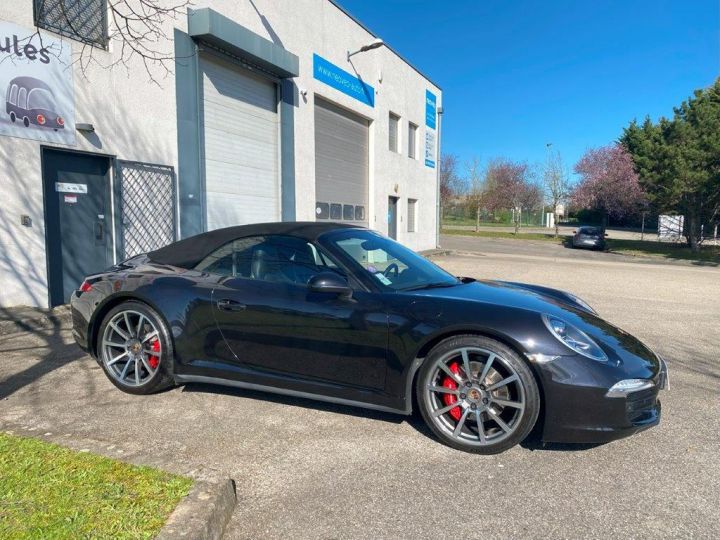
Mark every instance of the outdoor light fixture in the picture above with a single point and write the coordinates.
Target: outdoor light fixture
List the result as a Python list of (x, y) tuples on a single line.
[(370, 46)]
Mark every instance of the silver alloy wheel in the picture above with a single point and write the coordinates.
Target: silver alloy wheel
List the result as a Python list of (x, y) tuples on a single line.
[(486, 390), (131, 348)]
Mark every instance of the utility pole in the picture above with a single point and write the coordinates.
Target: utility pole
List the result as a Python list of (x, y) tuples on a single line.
[(438, 158), (547, 164)]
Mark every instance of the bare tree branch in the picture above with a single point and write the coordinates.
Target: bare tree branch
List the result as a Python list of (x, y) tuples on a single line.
[(137, 31)]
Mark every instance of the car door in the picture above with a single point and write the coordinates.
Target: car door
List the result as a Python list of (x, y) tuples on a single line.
[(281, 334)]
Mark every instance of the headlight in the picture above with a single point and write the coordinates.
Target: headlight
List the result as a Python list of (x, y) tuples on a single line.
[(628, 386), (574, 338)]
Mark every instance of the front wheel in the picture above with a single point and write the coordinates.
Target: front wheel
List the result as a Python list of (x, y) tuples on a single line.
[(135, 349), (477, 395)]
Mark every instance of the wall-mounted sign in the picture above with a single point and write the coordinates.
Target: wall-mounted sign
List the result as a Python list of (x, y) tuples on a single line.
[(66, 187), (340, 79), (430, 126), (36, 86)]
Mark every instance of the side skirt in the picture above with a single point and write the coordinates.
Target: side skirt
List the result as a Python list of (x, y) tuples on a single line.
[(182, 379)]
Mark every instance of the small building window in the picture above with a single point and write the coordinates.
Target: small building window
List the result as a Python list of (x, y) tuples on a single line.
[(322, 210), (411, 215), (394, 138), (336, 211), (412, 140), (82, 20)]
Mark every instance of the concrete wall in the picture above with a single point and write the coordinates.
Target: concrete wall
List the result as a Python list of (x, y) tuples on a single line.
[(109, 98)]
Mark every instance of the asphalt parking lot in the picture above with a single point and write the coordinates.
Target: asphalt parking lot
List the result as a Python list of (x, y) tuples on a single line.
[(305, 469)]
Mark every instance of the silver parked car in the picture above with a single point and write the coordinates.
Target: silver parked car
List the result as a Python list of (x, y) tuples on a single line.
[(589, 238)]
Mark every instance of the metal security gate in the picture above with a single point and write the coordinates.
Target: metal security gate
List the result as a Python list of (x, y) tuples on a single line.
[(148, 209)]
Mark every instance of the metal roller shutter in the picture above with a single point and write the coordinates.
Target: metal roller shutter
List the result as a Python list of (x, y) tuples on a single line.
[(240, 126), (341, 164)]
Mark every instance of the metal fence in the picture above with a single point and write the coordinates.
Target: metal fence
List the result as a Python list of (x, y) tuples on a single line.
[(84, 20), (148, 206), (465, 215)]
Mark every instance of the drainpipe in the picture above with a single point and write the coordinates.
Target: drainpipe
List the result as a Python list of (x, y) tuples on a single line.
[(438, 159)]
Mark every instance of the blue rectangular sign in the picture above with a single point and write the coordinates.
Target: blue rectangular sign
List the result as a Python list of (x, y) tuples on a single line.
[(430, 109), (430, 126), (341, 80)]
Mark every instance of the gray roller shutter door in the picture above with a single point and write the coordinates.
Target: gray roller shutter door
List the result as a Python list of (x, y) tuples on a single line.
[(341, 163), (240, 127)]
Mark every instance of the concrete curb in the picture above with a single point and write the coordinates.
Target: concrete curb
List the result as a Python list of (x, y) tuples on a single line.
[(26, 319), (203, 514), (437, 252)]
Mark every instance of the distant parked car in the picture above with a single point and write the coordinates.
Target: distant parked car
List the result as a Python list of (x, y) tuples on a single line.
[(589, 238), (32, 101)]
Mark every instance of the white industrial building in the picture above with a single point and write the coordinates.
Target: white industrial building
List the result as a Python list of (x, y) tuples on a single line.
[(262, 117)]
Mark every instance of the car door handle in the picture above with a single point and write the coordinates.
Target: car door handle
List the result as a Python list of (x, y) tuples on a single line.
[(230, 305)]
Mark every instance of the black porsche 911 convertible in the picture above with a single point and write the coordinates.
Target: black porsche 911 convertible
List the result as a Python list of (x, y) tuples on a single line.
[(343, 314)]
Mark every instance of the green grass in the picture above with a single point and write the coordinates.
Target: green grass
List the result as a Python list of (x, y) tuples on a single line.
[(643, 248), (502, 234), (50, 492)]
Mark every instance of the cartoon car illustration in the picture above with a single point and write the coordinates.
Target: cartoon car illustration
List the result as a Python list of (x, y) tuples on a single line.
[(32, 101)]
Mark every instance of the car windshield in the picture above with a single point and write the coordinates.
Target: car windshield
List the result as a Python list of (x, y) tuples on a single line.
[(388, 263), (39, 98)]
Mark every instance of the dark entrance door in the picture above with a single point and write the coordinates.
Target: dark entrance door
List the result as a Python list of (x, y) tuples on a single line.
[(392, 217), (77, 219)]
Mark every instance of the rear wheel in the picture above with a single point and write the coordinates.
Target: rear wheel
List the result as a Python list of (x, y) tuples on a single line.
[(135, 350), (477, 395), (12, 116)]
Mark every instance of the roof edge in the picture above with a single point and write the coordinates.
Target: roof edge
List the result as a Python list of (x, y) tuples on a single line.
[(357, 21)]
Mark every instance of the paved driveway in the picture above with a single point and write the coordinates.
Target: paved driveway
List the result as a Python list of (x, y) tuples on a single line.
[(305, 469)]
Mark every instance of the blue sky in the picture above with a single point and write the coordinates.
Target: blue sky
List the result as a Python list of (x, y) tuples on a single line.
[(518, 74)]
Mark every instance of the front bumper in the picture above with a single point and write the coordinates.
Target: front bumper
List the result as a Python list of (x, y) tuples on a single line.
[(578, 411)]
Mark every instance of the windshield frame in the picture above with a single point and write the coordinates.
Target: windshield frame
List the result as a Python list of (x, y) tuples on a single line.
[(328, 242)]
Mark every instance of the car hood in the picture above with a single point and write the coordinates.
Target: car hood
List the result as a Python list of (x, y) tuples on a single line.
[(618, 344), (511, 294)]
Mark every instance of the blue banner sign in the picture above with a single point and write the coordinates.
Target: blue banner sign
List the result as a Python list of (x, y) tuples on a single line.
[(430, 126), (430, 109), (341, 80)]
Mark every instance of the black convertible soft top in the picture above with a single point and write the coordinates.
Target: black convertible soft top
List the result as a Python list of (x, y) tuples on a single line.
[(189, 252)]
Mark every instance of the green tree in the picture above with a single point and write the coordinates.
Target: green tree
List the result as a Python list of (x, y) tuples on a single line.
[(678, 160)]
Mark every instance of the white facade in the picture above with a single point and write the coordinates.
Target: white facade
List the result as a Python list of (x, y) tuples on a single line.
[(137, 120)]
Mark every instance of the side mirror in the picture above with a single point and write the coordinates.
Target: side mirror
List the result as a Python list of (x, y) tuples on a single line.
[(574, 232), (606, 235), (330, 283)]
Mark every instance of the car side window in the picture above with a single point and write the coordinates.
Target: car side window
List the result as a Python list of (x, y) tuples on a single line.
[(285, 259), (22, 98), (274, 258), (233, 259), (13, 94)]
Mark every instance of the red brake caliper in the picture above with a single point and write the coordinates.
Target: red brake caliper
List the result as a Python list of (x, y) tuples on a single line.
[(449, 399), (154, 360)]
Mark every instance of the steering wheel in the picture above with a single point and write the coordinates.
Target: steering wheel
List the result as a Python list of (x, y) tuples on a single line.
[(392, 270)]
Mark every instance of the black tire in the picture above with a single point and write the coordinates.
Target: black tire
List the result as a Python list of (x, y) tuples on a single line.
[(523, 425), (163, 376), (26, 122), (12, 116)]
